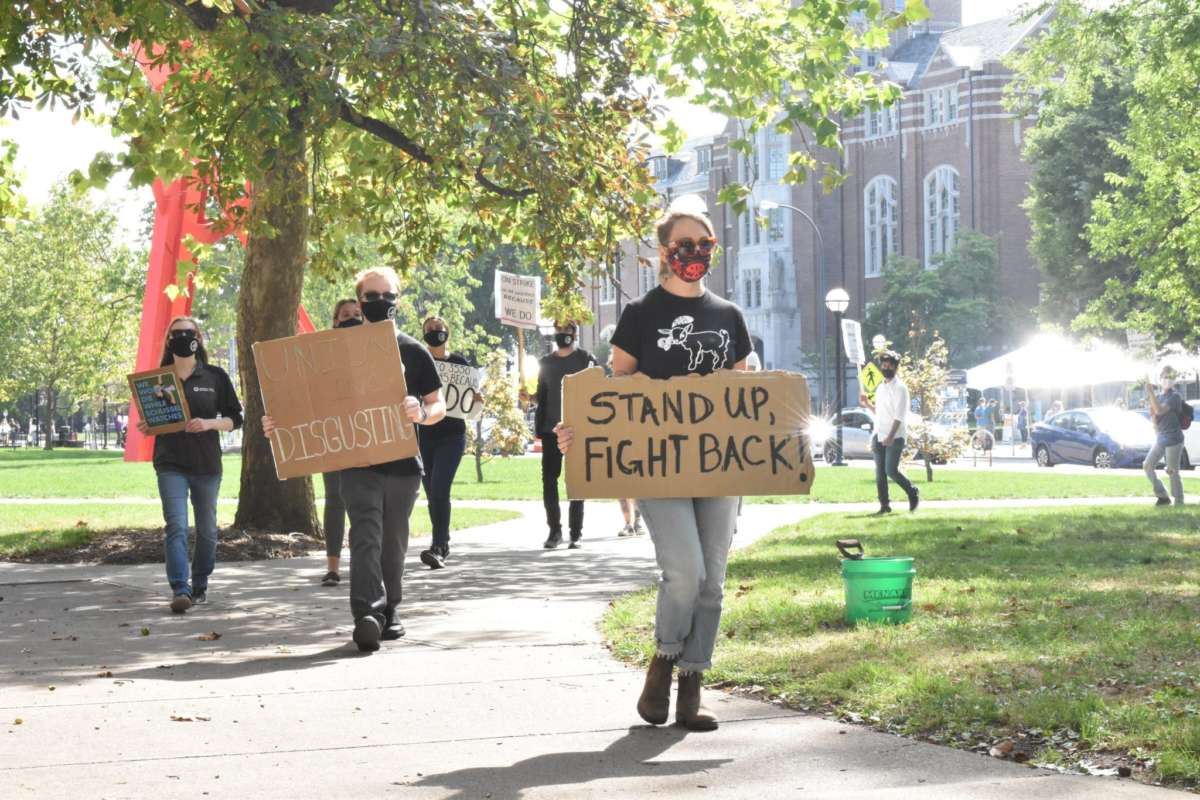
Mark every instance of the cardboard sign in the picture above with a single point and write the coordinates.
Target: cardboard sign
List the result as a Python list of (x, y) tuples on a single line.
[(869, 377), (722, 435), (460, 386), (337, 398), (853, 342), (160, 399), (518, 299)]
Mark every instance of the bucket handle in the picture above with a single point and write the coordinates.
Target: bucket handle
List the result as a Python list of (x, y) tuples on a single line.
[(845, 546)]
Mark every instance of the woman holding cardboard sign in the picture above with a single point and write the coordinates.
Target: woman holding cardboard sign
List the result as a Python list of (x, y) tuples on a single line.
[(442, 448), (346, 314), (189, 462), (676, 329)]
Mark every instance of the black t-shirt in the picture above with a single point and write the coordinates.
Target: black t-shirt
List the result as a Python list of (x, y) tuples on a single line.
[(209, 394), (449, 426), (672, 336), (420, 377), (549, 386)]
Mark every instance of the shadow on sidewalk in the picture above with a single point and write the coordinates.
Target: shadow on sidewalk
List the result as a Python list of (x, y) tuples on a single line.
[(631, 756)]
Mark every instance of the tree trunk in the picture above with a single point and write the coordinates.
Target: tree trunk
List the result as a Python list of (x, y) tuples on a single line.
[(270, 294), (48, 428), (928, 470), (479, 450)]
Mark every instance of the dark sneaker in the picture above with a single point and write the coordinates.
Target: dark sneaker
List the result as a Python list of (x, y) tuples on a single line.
[(553, 540), (433, 558), (180, 603), (1163, 501), (393, 630), (200, 598), (882, 511), (575, 545), (367, 632), (331, 579), (914, 500)]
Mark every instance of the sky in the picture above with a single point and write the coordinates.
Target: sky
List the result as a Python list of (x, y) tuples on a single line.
[(50, 147)]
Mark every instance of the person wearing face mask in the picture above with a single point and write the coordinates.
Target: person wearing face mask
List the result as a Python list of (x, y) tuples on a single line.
[(891, 412), (680, 328), (566, 359), (379, 499), (1166, 411), (442, 447), (346, 314), (189, 461)]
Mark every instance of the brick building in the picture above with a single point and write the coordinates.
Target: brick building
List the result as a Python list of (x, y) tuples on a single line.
[(944, 159)]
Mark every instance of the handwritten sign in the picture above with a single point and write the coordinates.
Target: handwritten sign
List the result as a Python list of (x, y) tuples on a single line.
[(853, 342), (160, 399), (518, 299), (460, 385), (337, 398), (725, 434)]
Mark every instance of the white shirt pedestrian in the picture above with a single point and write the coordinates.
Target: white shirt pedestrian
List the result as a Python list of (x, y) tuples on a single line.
[(891, 404)]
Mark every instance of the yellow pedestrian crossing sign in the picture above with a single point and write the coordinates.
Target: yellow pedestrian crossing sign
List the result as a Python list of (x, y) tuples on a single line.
[(869, 377)]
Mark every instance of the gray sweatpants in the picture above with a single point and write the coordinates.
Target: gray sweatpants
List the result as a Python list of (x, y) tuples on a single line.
[(379, 506), (1171, 453)]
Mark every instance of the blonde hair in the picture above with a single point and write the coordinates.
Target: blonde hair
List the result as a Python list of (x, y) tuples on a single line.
[(375, 272), (666, 224)]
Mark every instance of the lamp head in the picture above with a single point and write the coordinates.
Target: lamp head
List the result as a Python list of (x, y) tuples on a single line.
[(837, 301)]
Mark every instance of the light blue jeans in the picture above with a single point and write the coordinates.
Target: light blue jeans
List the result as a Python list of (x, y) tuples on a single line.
[(691, 543), (173, 488), (1170, 453)]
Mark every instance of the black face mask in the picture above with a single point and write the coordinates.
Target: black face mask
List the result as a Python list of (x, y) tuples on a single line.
[(888, 372), (564, 339), (436, 338), (349, 323), (184, 344), (378, 310)]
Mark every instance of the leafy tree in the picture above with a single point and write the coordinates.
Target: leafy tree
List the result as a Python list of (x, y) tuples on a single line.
[(507, 432), (69, 299), (1071, 150), (956, 296), (1149, 215), (925, 371)]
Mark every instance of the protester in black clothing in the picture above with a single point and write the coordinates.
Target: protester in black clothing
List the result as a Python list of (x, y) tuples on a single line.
[(566, 359), (189, 461), (442, 448), (346, 314), (380, 498)]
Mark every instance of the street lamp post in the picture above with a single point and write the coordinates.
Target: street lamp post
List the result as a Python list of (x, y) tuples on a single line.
[(837, 301), (771, 204)]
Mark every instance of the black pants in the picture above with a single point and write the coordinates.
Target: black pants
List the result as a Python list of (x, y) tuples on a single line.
[(379, 506), (335, 513), (441, 457), (551, 469), (887, 465)]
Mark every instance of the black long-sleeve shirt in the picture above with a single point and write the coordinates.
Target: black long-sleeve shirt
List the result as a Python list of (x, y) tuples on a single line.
[(549, 386), (209, 394)]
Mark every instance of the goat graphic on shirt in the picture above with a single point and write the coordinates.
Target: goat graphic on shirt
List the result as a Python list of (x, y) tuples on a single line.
[(700, 345)]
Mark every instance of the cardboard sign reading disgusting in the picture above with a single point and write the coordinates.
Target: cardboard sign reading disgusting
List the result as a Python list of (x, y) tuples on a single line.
[(722, 435), (337, 398)]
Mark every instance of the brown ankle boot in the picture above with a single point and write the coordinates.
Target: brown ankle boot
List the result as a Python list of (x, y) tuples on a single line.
[(689, 710), (654, 705)]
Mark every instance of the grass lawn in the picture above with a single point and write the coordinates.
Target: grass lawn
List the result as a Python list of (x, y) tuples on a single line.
[(29, 528), (74, 473), (1070, 622)]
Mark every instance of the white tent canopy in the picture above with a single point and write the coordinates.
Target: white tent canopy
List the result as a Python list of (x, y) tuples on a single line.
[(1051, 362)]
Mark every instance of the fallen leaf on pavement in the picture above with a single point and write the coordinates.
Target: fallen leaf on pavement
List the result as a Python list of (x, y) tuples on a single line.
[(105, 674), (211, 636), (145, 631), (18, 721), (177, 718)]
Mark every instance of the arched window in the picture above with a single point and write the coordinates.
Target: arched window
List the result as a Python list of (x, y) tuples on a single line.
[(941, 211), (879, 223)]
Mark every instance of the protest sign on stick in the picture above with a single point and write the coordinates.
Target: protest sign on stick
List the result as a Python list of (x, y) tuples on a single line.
[(337, 398), (725, 434), (460, 387)]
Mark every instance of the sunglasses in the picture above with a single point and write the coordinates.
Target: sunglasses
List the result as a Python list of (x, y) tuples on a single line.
[(371, 297), (686, 248), (183, 334)]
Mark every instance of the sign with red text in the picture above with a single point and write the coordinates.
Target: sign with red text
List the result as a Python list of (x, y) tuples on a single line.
[(337, 399), (722, 435)]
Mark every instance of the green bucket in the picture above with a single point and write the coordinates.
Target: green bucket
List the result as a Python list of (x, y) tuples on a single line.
[(877, 589)]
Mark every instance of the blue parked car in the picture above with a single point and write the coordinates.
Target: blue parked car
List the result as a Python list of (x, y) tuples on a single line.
[(1103, 437)]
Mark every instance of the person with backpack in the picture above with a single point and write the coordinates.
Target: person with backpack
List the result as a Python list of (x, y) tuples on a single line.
[(1170, 416)]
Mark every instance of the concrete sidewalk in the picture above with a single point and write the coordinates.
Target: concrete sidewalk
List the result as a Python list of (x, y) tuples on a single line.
[(502, 690)]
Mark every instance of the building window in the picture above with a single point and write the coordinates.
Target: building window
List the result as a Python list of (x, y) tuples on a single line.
[(941, 106), (752, 288), (747, 222), (776, 158), (941, 211), (880, 122), (647, 279), (775, 225), (658, 167), (757, 229), (879, 223), (703, 160), (608, 290)]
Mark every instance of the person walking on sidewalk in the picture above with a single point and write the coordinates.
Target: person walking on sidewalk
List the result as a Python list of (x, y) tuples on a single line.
[(442, 448), (1166, 410), (1023, 422), (566, 359), (189, 461), (691, 535), (891, 412), (380, 498), (346, 314)]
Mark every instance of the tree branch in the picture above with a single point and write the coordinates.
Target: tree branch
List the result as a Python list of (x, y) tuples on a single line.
[(382, 130), (487, 183)]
